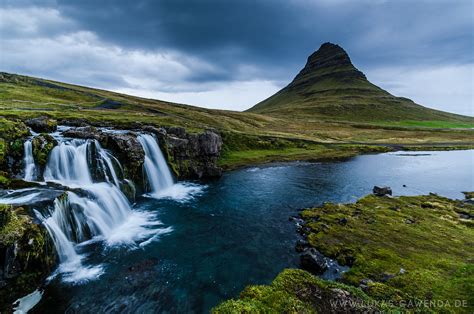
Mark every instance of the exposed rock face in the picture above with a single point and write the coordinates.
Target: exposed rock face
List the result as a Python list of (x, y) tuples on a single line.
[(27, 256), (129, 152), (192, 156), (42, 124), (313, 261), (382, 191), (86, 132)]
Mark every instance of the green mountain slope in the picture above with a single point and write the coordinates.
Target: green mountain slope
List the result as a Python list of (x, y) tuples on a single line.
[(330, 87)]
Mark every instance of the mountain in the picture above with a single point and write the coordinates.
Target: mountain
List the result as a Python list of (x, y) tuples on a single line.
[(331, 87)]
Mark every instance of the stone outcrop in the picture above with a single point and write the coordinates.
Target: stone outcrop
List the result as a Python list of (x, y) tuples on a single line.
[(42, 124), (382, 190), (27, 255), (42, 145), (191, 155), (129, 152), (313, 261)]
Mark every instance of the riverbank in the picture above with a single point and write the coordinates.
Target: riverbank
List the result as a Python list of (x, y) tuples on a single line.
[(411, 252)]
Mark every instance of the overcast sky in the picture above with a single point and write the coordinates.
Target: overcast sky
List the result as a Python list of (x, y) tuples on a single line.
[(232, 54)]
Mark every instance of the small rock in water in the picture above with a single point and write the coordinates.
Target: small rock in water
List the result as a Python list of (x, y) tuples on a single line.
[(301, 245), (313, 261), (382, 191)]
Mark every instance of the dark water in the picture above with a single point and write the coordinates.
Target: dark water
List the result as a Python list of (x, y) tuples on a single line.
[(237, 232)]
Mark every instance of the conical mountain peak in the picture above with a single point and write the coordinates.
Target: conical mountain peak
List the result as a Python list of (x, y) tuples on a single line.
[(327, 60)]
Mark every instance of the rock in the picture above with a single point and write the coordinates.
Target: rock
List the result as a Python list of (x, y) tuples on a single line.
[(87, 132), (128, 150), (382, 191), (28, 255), (191, 156), (301, 245), (42, 145), (343, 221), (313, 261), (42, 124)]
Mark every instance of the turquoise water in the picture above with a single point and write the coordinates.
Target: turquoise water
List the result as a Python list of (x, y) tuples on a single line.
[(237, 232)]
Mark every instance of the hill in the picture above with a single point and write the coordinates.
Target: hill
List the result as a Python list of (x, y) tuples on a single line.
[(248, 137), (331, 87)]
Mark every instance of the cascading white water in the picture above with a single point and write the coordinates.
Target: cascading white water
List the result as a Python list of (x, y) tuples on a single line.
[(68, 165), (102, 213), (29, 161), (159, 175), (157, 171)]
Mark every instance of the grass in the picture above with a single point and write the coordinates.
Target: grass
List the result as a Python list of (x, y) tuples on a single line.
[(297, 291), (431, 124), (297, 135), (411, 248)]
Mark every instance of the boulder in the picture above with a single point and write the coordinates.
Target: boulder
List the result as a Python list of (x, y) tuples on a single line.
[(382, 191), (313, 261), (42, 145), (42, 124), (87, 132)]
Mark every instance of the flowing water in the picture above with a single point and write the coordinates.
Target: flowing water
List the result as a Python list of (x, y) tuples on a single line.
[(191, 248), (29, 162)]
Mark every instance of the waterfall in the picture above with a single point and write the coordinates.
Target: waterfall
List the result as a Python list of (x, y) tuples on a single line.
[(159, 175), (156, 168), (98, 211), (29, 162), (68, 164)]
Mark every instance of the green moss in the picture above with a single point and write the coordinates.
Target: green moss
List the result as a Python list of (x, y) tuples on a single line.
[(297, 291), (42, 146), (413, 248), (33, 256)]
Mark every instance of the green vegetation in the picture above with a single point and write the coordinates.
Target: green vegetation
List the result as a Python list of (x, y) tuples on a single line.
[(240, 150), (42, 146), (405, 248), (431, 124), (297, 291), (25, 248)]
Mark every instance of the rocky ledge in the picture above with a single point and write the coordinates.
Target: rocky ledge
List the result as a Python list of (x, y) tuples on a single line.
[(191, 155)]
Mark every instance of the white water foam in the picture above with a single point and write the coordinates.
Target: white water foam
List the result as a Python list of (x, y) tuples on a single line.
[(26, 303), (101, 211)]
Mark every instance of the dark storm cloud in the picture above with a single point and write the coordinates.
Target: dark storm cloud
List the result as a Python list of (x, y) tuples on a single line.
[(271, 39), (281, 32)]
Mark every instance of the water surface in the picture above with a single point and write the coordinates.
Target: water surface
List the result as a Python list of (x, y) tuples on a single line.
[(237, 231)]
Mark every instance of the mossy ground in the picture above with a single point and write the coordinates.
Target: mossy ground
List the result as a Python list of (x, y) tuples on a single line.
[(411, 248), (297, 291)]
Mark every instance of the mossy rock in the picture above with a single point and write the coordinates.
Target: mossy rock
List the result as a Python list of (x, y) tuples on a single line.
[(297, 291), (29, 255), (42, 145)]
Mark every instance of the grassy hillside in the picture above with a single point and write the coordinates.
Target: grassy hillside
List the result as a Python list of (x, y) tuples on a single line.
[(329, 86), (248, 137)]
